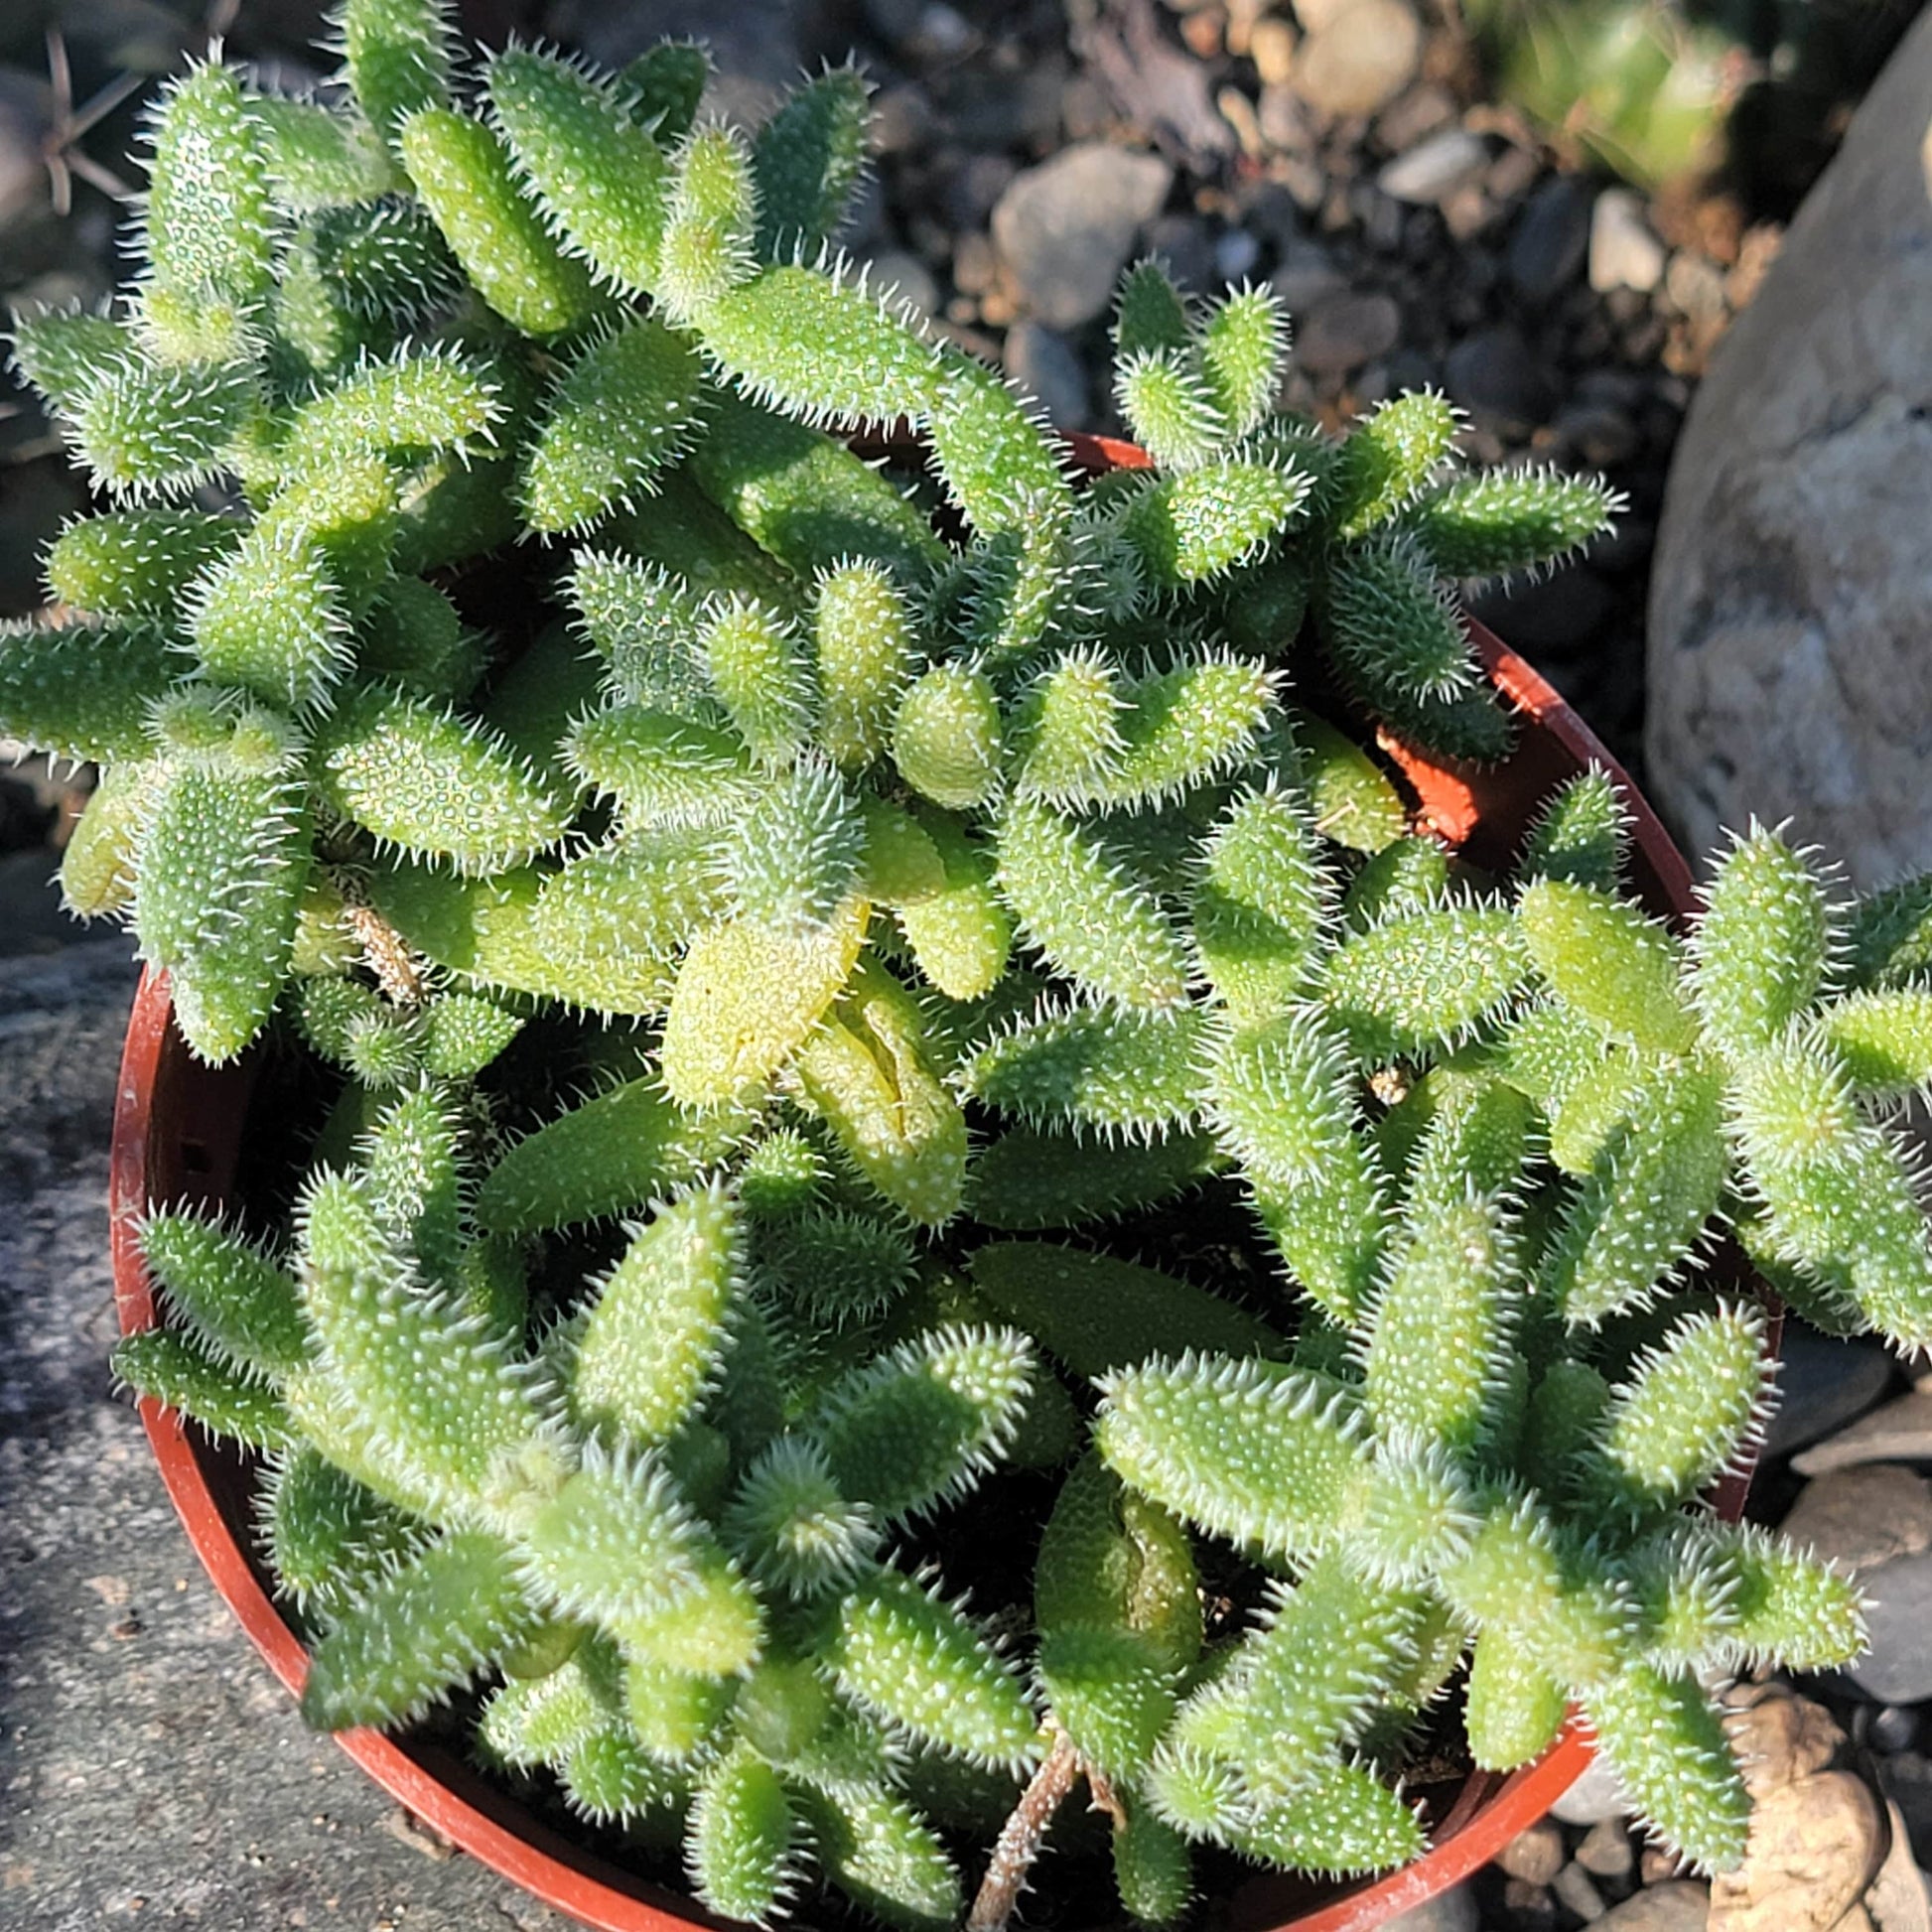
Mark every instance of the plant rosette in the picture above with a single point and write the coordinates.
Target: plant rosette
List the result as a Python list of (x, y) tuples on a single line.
[(177, 1132), (828, 1006)]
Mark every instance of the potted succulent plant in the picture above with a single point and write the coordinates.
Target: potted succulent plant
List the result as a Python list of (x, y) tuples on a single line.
[(808, 1004)]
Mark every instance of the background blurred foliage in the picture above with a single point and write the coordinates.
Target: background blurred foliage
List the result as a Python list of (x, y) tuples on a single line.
[(1657, 88)]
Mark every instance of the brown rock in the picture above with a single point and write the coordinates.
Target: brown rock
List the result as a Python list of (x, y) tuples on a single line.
[(1897, 1901), (1815, 1846), (1577, 1891), (1527, 1908), (1780, 1738), (1658, 1867), (1901, 1432), (1677, 1905), (1535, 1855), (1271, 46), (1863, 1515), (1607, 1851)]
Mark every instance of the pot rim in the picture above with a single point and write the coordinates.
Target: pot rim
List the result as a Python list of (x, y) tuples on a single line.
[(176, 1137)]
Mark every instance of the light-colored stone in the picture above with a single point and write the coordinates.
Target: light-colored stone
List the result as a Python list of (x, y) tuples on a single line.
[(1901, 1432), (1316, 16), (1594, 1796), (1534, 1855), (1454, 1910), (1577, 1893), (1067, 228), (1623, 253), (1436, 167), (1359, 59), (1792, 594), (1607, 1851), (1677, 1905), (1695, 286), (1305, 275), (1271, 46), (1863, 1516), (1897, 1900), (1815, 1846)]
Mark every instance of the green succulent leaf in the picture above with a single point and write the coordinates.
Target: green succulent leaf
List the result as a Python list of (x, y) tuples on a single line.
[(652, 1338), (1122, 1072), (419, 1633), (1692, 1407), (614, 1544), (240, 1306), (417, 774), (1581, 835), (1646, 1197), (1441, 1332), (1097, 1313), (607, 1156), (1881, 1039), (1603, 957), (207, 224), (434, 1395), (1341, 1823), (1083, 908), (1423, 979), (181, 1373), (1242, 347), (627, 405), (1514, 1707), (1249, 1450), (807, 160), (1392, 456), (1761, 948), (597, 178), (1390, 624), (883, 1855), (330, 1539), (1199, 525), (1512, 519), (1669, 1749), (918, 1425), (916, 1662)]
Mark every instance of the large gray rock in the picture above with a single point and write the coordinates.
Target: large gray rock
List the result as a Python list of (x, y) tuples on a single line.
[(1793, 590), (150, 1763)]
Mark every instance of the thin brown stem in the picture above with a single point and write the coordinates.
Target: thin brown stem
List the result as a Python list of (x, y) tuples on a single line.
[(1021, 1836), (1105, 1797), (386, 952)]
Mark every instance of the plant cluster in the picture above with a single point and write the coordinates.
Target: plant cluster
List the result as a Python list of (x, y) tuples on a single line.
[(959, 904)]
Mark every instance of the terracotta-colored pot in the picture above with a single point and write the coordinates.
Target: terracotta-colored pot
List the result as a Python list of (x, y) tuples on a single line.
[(177, 1128)]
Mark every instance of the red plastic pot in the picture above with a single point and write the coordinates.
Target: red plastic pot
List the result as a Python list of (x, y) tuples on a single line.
[(177, 1128)]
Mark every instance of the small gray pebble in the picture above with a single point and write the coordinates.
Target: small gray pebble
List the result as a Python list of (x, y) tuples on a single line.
[(1894, 1727)]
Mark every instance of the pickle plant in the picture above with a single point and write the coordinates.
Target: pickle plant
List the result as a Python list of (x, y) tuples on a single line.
[(773, 959)]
